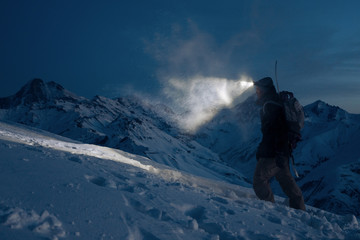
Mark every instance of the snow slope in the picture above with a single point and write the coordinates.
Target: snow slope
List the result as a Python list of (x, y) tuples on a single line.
[(54, 188)]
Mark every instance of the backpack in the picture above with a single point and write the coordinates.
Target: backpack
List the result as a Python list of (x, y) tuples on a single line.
[(294, 115)]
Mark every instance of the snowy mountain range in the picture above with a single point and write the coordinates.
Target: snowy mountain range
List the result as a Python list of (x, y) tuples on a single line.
[(328, 158)]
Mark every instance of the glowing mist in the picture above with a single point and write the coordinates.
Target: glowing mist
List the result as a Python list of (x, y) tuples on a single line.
[(202, 97)]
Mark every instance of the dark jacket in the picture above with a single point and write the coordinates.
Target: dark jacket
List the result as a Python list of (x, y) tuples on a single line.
[(273, 127)]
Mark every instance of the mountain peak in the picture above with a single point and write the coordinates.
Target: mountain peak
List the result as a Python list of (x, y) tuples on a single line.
[(36, 87), (321, 110), (36, 91), (36, 82)]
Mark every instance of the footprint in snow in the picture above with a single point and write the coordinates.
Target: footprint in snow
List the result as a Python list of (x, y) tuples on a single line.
[(275, 219), (225, 211), (220, 200), (197, 213), (100, 181), (149, 211), (133, 187), (125, 184), (217, 230), (119, 176), (75, 159)]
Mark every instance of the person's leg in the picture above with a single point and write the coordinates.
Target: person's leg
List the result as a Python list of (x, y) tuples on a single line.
[(265, 169), (290, 188)]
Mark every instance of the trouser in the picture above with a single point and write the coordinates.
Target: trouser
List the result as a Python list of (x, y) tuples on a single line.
[(266, 168)]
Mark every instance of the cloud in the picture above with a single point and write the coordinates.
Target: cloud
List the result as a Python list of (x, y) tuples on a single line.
[(196, 72), (200, 98)]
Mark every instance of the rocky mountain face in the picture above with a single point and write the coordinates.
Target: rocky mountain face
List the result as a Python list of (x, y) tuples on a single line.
[(328, 158)]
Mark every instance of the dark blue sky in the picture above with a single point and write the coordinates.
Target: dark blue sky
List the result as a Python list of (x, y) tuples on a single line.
[(111, 48)]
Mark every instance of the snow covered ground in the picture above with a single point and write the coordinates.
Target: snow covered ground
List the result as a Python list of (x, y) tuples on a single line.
[(53, 187)]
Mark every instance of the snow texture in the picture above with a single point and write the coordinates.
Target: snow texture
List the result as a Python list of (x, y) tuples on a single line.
[(56, 188)]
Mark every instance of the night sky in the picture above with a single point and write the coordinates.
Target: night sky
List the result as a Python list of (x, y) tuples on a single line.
[(113, 48)]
